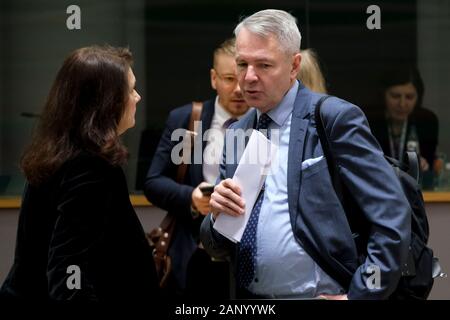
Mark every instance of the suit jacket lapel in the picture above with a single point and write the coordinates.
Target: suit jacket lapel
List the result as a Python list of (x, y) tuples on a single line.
[(295, 155), (247, 122)]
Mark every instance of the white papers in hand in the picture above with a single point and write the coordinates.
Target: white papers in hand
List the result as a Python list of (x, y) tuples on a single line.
[(250, 174)]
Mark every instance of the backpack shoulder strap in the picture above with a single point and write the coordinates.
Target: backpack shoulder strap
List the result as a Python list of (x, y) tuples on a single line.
[(320, 126), (324, 141), (413, 165)]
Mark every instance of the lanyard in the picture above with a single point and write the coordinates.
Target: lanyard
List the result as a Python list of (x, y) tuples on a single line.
[(401, 145)]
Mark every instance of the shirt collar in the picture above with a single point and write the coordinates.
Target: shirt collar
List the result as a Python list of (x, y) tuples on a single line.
[(220, 112), (281, 112)]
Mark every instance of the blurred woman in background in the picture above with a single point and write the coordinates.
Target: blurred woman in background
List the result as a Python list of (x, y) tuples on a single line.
[(310, 73), (403, 124)]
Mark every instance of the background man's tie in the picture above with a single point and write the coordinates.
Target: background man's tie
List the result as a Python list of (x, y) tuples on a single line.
[(227, 123)]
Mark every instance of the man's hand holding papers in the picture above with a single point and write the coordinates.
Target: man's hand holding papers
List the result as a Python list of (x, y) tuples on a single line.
[(234, 198)]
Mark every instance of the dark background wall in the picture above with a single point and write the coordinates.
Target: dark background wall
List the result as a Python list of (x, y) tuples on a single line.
[(182, 34), (173, 40)]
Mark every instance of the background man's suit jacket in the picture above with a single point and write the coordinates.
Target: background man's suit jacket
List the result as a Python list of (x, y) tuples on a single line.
[(318, 220), (163, 191)]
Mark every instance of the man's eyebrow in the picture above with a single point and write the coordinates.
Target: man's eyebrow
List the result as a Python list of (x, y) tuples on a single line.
[(264, 59)]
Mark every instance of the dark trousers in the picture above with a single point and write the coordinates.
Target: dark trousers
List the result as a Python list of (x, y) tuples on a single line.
[(207, 279)]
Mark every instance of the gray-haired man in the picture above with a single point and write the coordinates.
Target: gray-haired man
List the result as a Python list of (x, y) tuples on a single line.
[(298, 243)]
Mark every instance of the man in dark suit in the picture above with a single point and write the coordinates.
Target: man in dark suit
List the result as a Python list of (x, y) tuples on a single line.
[(185, 200), (297, 242)]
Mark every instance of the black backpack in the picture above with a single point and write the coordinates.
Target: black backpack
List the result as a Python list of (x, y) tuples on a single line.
[(421, 268)]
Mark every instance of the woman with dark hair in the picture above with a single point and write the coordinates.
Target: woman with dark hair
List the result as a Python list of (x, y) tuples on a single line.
[(405, 125), (78, 236)]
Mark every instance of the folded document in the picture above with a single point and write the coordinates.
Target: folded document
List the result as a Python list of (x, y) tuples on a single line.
[(250, 174)]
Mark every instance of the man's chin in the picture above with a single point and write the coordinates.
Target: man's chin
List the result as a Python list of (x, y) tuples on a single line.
[(238, 109), (253, 101)]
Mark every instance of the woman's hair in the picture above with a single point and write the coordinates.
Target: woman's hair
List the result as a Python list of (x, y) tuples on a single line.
[(82, 112), (310, 74), (401, 75)]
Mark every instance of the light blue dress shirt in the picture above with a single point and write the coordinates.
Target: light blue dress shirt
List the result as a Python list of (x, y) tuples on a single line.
[(283, 269)]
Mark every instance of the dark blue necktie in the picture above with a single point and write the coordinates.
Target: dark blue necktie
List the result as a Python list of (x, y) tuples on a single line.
[(228, 123), (247, 246)]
